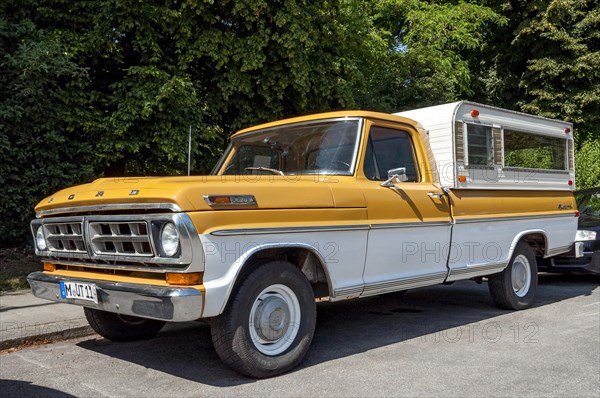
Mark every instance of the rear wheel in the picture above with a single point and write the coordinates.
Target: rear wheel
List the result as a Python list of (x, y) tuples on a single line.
[(118, 327), (269, 322), (515, 287)]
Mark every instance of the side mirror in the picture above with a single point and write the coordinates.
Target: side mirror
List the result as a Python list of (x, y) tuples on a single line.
[(395, 175)]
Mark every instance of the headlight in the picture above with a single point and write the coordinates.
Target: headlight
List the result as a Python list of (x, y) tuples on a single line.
[(40, 240), (169, 239), (583, 235)]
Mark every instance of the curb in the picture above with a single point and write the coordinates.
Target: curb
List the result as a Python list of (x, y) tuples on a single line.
[(44, 338)]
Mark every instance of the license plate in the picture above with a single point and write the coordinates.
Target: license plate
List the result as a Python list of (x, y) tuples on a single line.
[(80, 291)]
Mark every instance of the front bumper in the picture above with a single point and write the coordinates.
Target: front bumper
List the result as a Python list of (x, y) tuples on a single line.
[(176, 304)]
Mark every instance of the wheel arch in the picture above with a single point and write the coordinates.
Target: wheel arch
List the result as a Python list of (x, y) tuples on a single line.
[(535, 238), (302, 255)]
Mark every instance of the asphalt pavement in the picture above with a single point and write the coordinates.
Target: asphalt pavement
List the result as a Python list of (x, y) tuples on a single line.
[(25, 319), (436, 341)]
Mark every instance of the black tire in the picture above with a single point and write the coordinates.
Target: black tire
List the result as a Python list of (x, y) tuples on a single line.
[(118, 327), (234, 334), (519, 292)]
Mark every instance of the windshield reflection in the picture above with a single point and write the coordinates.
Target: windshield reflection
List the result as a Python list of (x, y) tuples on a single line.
[(321, 147)]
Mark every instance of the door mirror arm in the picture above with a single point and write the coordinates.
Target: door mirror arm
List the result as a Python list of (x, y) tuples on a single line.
[(395, 175)]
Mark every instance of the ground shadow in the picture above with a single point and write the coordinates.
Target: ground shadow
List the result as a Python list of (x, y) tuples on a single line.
[(18, 388), (343, 329)]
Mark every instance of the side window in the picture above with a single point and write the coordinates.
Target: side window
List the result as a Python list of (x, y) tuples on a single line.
[(389, 149), (479, 145)]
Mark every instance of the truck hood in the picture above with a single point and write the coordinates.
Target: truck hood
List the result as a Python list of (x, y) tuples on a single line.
[(271, 192)]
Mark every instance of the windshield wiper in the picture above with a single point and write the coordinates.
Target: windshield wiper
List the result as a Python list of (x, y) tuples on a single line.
[(274, 171)]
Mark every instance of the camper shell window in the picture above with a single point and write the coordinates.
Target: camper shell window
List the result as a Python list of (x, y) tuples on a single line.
[(479, 145), (532, 151)]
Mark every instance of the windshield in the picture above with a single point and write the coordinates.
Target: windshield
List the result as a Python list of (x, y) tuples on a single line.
[(320, 147)]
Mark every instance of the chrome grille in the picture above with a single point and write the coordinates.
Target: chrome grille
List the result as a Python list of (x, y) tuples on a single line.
[(65, 237), (126, 238), (116, 241)]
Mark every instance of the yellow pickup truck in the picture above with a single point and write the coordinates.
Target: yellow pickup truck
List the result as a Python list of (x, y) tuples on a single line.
[(332, 206)]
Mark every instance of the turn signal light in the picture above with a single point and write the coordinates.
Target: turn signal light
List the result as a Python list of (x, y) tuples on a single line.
[(194, 278), (49, 267), (221, 200), (230, 200)]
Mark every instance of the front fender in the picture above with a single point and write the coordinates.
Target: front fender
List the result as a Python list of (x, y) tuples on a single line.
[(225, 259)]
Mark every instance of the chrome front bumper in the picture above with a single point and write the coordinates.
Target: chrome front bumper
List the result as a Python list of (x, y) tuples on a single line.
[(147, 301)]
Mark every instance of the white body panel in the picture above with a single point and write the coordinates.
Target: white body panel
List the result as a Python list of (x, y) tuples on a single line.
[(343, 254), (397, 258), (400, 258), (483, 247)]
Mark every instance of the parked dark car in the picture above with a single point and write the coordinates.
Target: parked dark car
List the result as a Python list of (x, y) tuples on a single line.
[(588, 232)]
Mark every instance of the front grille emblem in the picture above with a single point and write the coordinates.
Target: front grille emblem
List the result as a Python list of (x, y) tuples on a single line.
[(99, 194), (71, 197), (50, 200), (134, 192)]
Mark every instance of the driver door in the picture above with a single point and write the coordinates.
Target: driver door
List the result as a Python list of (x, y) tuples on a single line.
[(409, 238)]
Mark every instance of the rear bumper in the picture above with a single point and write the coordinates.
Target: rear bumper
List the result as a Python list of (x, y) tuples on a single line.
[(147, 301)]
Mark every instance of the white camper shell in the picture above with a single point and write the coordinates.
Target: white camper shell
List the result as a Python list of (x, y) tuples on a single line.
[(483, 147)]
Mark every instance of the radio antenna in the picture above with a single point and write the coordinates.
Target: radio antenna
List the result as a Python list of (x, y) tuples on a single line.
[(189, 150)]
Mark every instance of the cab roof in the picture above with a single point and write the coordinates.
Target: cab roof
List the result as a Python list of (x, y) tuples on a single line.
[(328, 115)]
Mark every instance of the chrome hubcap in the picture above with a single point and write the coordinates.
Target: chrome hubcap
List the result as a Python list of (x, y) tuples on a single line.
[(521, 275), (271, 319), (274, 319)]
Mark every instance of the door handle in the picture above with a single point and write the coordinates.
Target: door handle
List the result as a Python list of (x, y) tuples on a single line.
[(436, 195)]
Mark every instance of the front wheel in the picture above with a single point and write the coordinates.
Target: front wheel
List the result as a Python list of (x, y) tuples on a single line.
[(118, 327), (269, 322), (515, 287)]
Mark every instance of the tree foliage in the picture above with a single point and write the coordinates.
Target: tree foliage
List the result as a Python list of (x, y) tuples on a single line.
[(42, 145), (426, 42), (587, 164), (110, 88), (562, 78)]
